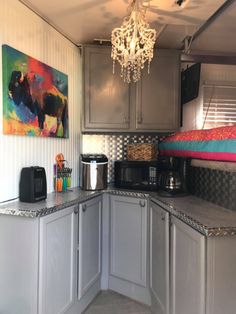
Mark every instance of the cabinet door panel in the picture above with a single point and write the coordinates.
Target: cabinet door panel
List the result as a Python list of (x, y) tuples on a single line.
[(158, 94), (128, 239), (159, 248), (107, 97), (188, 269), (57, 253), (89, 244)]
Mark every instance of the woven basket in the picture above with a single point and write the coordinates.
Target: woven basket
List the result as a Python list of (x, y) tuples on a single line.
[(141, 152)]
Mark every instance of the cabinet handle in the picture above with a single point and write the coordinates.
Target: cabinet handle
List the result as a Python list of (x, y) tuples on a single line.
[(84, 207), (76, 209), (162, 217), (126, 119), (142, 203), (140, 118)]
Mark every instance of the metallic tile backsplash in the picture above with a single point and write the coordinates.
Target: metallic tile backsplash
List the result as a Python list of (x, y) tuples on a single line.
[(216, 186), (213, 185), (114, 146)]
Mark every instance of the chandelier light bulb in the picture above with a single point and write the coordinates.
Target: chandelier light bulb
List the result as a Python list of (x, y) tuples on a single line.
[(133, 43)]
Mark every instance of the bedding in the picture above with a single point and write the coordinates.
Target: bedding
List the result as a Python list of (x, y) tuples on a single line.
[(213, 144)]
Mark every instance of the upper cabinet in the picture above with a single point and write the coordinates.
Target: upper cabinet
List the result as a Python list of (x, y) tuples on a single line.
[(157, 101), (106, 97), (110, 105)]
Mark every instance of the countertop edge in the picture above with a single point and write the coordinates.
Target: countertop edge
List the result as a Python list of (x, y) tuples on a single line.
[(85, 196)]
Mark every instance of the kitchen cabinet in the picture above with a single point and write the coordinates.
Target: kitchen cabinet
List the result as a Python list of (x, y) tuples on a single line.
[(151, 105), (159, 259), (57, 261), (89, 244), (106, 97), (129, 247), (188, 260), (180, 288), (157, 93)]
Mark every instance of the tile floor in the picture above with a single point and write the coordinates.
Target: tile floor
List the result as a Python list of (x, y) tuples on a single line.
[(109, 302)]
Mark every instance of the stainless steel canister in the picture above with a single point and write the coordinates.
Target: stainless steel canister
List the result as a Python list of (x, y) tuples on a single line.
[(93, 172)]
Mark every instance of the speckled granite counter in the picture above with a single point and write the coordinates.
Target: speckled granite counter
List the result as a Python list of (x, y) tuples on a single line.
[(53, 203), (207, 218)]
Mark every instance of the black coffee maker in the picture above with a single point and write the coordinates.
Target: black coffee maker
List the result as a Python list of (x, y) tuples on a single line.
[(173, 175)]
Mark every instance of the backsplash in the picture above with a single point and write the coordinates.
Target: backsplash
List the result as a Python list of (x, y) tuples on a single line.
[(214, 185), (114, 146)]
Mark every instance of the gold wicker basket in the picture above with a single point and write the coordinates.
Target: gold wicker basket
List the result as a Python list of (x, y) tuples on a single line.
[(141, 152)]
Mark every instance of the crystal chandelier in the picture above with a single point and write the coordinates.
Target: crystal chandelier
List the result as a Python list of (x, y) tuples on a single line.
[(133, 43)]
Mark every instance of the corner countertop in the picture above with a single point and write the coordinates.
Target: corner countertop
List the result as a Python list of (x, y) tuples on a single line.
[(205, 217)]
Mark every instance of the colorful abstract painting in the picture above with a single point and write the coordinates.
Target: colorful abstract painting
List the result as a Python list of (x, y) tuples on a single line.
[(35, 96)]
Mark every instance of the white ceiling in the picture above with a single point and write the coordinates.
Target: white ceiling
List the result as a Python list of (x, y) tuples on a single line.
[(84, 20)]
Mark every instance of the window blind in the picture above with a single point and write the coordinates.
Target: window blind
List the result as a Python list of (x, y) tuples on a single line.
[(219, 106)]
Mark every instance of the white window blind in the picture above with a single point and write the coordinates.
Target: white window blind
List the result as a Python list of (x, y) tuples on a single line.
[(219, 106)]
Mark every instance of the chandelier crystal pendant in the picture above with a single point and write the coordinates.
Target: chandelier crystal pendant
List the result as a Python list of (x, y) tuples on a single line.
[(133, 43)]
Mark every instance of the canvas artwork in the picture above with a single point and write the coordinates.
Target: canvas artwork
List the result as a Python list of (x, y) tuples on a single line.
[(35, 96)]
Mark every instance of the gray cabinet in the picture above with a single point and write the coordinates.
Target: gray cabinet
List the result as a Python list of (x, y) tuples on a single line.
[(159, 259), (188, 260), (129, 247), (57, 261), (151, 105), (89, 244), (106, 97), (178, 259), (157, 101)]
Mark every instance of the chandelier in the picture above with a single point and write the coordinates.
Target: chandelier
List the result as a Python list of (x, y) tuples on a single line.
[(133, 43)]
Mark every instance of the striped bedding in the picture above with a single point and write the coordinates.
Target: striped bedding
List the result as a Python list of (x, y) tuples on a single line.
[(213, 144)]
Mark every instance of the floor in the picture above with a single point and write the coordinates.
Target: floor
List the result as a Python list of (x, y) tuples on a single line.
[(109, 302)]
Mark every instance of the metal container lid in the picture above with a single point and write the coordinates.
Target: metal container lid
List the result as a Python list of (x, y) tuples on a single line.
[(94, 158)]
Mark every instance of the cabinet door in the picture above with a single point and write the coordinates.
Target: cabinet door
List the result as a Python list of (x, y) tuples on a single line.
[(57, 256), (159, 259), (157, 106), (89, 244), (128, 252), (187, 269), (106, 96)]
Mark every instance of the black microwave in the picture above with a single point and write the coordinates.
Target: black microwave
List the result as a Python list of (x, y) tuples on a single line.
[(139, 175)]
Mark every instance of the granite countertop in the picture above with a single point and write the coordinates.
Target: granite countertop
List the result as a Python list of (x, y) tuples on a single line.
[(205, 217)]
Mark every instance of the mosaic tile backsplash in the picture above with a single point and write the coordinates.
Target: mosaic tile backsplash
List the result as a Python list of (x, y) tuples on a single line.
[(213, 185), (114, 146)]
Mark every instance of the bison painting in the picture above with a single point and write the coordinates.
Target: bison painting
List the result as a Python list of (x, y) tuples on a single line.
[(35, 101)]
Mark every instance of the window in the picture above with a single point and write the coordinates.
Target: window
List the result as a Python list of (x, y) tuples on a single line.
[(219, 105)]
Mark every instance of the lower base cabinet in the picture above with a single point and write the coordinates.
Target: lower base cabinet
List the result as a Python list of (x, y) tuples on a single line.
[(159, 259), (89, 263), (188, 263), (57, 262), (202, 273), (129, 247), (177, 265)]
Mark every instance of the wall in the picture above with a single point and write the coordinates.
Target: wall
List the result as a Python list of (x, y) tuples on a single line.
[(25, 31), (210, 73)]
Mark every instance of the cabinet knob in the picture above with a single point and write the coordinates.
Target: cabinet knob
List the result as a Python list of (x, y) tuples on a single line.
[(76, 209), (84, 207), (142, 203), (162, 217)]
